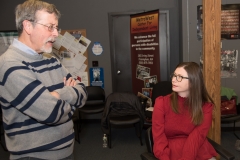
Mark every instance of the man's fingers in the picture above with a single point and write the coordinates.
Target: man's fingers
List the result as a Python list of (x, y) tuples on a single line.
[(70, 82), (64, 81)]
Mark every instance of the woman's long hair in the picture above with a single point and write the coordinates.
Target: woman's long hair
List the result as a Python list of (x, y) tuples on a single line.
[(198, 94)]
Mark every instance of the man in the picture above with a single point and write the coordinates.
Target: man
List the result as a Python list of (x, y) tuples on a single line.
[(38, 96)]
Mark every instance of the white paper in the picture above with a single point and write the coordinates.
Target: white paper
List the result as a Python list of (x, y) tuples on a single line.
[(84, 43), (75, 47), (58, 42), (67, 40), (83, 68), (149, 109), (79, 61), (82, 76)]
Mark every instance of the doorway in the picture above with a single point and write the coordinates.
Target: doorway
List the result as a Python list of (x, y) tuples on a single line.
[(119, 31)]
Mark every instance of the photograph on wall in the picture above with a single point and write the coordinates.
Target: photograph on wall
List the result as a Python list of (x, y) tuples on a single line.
[(150, 81), (199, 22), (230, 21), (149, 100), (228, 61), (147, 92), (96, 76), (142, 72)]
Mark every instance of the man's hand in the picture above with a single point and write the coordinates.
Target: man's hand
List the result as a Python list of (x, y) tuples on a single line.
[(70, 82), (55, 94)]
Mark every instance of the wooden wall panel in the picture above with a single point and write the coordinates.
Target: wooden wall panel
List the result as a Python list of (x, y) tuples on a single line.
[(211, 61)]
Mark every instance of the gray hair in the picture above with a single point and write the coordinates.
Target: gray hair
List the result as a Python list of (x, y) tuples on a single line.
[(28, 9)]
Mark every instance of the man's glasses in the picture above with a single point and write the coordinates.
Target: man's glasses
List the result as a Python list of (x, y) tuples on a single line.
[(50, 27), (178, 77)]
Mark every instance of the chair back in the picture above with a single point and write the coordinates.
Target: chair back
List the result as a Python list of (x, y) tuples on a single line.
[(161, 88), (2, 141), (95, 93), (124, 102), (95, 102), (121, 109), (149, 140), (121, 104)]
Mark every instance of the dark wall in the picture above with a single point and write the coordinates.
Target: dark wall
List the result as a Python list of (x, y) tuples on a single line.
[(192, 46), (92, 15)]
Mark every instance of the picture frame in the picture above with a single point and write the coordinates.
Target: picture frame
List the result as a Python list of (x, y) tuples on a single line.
[(150, 81), (230, 21), (228, 62), (147, 92)]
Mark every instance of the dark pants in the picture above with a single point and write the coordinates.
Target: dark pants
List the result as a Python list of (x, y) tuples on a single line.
[(71, 157)]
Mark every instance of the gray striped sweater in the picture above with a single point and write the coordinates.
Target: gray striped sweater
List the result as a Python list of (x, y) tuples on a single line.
[(36, 123)]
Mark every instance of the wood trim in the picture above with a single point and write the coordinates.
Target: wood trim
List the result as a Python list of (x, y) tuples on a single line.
[(211, 60)]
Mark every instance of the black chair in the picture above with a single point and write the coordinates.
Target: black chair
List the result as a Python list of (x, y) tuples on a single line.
[(232, 118), (122, 109), (95, 103), (2, 139), (161, 88), (150, 156), (76, 126)]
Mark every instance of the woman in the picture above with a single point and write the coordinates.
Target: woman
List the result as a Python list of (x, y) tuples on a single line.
[(181, 120)]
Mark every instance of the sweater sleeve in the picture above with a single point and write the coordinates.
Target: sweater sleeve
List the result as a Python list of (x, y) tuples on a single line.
[(160, 148), (72, 95), (29, 92), (197, 137)]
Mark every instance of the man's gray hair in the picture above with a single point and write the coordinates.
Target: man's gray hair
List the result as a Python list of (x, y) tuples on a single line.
[(28, 10)]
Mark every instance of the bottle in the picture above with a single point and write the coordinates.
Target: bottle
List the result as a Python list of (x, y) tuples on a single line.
[(104, 141)]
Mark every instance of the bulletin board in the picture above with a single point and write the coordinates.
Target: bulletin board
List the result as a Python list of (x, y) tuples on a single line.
[(71, 49)]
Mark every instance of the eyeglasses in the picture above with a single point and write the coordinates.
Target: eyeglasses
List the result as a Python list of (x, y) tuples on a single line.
[(50, 27), (178, 77)]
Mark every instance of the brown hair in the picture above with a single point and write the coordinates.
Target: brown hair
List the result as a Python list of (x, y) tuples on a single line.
[(198, 94)]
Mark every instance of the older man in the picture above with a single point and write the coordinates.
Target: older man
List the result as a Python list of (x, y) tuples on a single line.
[(37, 94)]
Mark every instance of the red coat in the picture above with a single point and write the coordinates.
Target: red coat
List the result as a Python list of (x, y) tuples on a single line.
[(176, 137)]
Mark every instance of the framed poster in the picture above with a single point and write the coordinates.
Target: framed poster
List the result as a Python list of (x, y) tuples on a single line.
[(228, 63), (230, 21), (6, 38), (96, 75)]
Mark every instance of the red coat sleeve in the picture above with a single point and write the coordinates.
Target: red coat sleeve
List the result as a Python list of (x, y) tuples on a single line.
[(160, 148), (198, 136)]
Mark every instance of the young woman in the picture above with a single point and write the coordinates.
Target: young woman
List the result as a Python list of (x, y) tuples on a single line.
[(181, 120)]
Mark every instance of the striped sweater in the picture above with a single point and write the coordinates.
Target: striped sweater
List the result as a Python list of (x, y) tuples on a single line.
[(36, 123)]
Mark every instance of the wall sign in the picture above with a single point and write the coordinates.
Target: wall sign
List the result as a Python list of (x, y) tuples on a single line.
[(144, 48), (230, 21), (97, 48), (96, 75)]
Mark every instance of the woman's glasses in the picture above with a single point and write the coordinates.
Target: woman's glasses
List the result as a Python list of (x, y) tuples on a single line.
[(178, 77)]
